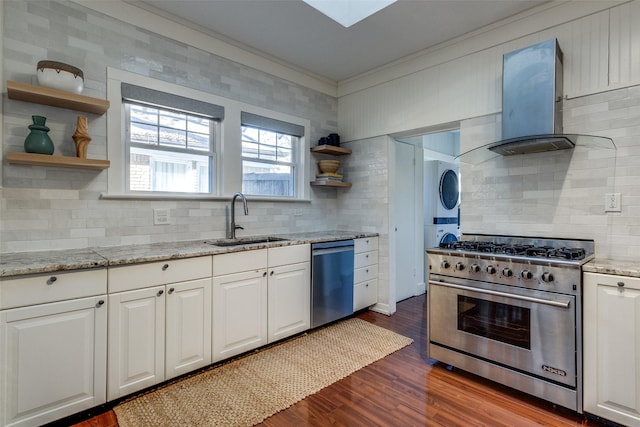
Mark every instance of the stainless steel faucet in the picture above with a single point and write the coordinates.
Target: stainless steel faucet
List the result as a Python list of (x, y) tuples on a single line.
[(234, 227)]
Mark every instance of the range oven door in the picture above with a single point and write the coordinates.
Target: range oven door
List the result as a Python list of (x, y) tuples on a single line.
[(526, 330)]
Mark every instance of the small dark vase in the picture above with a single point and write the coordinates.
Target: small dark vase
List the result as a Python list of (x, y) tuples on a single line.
[(38, 140)]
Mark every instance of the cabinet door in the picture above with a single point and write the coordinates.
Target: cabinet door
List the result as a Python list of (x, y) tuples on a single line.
[(52, 360), (136, 340), (289, 300), (188, 327), (239, 313), (612, 348)]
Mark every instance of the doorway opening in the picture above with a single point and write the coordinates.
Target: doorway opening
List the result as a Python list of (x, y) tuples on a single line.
[(441, 186)]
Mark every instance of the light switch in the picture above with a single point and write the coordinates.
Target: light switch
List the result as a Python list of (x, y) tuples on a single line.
[(161, 217)]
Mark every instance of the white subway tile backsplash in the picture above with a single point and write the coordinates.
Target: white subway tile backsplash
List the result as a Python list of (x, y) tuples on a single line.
[(561, 194), (53, 208)]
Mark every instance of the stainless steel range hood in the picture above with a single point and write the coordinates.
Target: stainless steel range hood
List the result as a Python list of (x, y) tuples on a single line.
[(532, 106)]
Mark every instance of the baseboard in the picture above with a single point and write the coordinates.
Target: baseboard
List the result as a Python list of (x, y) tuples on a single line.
[(382, 309)]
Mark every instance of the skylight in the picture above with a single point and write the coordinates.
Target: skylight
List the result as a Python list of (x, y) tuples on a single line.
[(348, 12)]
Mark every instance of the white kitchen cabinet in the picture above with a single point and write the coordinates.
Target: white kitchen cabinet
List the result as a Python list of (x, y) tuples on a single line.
[(365, 275), (239, 313), (289, 291), (612, 347), (259, 297), (157, 332), (52, 355), (239, 302), (136, 340), (188, 327)]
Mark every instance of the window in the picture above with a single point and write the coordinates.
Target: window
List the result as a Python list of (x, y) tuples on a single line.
[(269, 153), (169, 141)]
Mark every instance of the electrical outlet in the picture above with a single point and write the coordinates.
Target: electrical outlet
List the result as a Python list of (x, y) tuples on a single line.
[(161, 217), (612, 202)]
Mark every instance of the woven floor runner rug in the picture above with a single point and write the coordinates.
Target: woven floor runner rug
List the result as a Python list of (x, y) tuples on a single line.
[(246, 391)]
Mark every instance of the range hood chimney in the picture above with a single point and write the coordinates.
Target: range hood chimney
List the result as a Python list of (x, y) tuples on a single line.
[(531, 100), (532, 106)]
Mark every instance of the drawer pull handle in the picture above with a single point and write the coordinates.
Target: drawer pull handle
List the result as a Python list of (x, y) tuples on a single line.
[(100, 303), (160, 293), (271, 274), (52, 280), (367, 270), (620, 284), (171, 290), (264, 274), (367, 256), (366, 285), (164, 267)]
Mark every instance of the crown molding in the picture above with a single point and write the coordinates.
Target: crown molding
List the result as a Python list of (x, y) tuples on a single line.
[(177, 29)]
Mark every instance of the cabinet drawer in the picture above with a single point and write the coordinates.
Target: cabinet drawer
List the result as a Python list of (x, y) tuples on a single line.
[(365, 294), (365, 245), (138, 276), (364, 259), (284, 255), (365, 273), (595, 279), (46, 288), (238, 262)]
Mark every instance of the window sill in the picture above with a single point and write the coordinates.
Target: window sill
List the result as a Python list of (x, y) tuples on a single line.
[(179, 196)]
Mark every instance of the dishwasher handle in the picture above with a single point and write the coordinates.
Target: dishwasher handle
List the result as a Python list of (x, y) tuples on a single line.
[(330, 245), (318, 252)]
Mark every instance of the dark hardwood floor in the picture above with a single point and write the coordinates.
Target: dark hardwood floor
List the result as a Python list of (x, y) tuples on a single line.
[(407, 389)]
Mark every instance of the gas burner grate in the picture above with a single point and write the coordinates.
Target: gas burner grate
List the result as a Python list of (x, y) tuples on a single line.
[(516, 249), (567, 253), (539, 251)]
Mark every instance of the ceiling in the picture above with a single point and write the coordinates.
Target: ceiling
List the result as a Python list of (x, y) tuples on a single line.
[(296, 33)]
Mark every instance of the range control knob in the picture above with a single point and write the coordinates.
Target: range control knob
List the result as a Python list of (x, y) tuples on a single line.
[(526, 274), (474, 268), (507, 272), (547, 277), (491, 269), (445, 264), (459, 266)]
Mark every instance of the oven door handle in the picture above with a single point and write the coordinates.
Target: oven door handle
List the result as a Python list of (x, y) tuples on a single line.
[(554, 303)]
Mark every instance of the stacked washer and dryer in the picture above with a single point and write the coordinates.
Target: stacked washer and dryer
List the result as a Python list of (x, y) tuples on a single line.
[(441, 202)]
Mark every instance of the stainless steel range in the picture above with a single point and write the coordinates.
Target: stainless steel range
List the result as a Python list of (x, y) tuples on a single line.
[(508, 308)]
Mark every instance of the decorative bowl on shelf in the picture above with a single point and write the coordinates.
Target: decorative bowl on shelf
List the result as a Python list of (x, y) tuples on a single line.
[(58, 75), (328, 166)]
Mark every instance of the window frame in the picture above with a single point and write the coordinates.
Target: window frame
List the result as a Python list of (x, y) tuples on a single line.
[(228, 167), (293, 163), (211, 153)]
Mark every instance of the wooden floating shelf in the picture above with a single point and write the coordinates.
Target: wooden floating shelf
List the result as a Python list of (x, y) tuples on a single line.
[(331, 184), (33, 159), (56, 98), (330, 149)]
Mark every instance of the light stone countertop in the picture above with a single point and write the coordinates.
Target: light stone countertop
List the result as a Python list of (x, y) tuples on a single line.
[(22, 263), (615, 267)]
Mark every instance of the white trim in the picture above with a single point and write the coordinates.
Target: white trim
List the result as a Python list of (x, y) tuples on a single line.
[(181, 31), (4, 87), (382, 309), (228, 156), (198, 197)]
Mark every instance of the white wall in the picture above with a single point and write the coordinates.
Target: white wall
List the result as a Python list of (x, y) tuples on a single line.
[(54, 208), (365, 206), (557, 194)]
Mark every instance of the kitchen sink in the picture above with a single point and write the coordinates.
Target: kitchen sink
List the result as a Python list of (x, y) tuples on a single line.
[(244, 241)]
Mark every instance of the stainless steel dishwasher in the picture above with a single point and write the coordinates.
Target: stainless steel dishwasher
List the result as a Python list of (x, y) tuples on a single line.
[(331, 281)]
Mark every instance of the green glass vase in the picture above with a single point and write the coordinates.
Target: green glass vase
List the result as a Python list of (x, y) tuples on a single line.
[(38, 140)]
